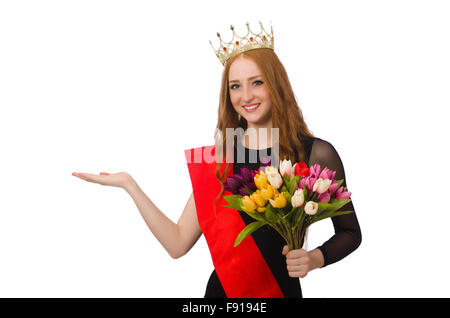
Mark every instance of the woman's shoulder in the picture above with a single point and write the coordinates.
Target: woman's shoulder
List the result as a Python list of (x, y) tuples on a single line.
[(314, 144), (324, 153), (322, 148), (313, 140)]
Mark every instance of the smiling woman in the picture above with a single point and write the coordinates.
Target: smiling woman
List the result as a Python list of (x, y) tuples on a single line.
[(258, 78), (248, 93), (255, 93)]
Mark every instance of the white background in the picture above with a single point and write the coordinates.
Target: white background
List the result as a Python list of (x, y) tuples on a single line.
[(90, 86)]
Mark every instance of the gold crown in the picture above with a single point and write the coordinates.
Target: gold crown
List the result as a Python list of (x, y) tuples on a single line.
[(239, 44)]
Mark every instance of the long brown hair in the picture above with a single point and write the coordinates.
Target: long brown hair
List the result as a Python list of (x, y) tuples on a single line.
[(286, 114)]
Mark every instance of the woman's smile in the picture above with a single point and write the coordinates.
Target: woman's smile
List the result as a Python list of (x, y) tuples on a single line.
[(252, 107)]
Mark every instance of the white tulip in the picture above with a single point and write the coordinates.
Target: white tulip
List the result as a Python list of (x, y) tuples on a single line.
[(286, 168), (321, 185), (311, 207), (273, 177), (270, 170), (275, 180), (298, 198)]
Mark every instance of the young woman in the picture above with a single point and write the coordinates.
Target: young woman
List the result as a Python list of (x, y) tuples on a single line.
[(255, 93)]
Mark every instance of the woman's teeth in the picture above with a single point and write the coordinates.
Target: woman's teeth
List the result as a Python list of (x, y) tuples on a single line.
[(251, 107)]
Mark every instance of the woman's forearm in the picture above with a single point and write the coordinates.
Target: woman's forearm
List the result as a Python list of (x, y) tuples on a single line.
[(165, 230)]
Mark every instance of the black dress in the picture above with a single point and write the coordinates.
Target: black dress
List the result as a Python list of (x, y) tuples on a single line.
[(347, 235)]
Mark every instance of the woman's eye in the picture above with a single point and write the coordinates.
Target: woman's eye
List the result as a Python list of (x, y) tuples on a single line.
[(258, 83)]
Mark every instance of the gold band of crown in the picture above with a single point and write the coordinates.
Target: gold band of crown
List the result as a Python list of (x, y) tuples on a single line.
[(239, 44)]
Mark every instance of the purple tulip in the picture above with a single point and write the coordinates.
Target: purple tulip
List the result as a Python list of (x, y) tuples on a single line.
[(246, 174), (240, 181), (233, 183), (251, 186), (239, 178), (242, 192)]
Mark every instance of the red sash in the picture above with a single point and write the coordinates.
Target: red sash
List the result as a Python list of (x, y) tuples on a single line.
[(242, 270)]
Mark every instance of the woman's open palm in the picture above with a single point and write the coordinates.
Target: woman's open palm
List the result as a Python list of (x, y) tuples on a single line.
[(119, 179)]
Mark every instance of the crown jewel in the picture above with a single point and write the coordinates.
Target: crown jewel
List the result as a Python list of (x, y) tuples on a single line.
[(239, 44)]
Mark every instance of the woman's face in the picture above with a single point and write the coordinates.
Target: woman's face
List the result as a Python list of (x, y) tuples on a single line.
[(247, 90)]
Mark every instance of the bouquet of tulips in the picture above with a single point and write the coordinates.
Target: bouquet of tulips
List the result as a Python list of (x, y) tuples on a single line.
[(289, 199)]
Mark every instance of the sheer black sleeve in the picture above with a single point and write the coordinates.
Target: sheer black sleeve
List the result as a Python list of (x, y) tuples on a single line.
[(347, 235)]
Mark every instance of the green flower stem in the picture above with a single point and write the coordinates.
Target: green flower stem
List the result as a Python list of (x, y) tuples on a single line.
[(280, 231), (297, 237), (300, 223), (291, 238), (303, 230), (286, 235), (289, 235)]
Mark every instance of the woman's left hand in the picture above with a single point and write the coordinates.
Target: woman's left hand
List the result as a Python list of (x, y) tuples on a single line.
[(297, 262)]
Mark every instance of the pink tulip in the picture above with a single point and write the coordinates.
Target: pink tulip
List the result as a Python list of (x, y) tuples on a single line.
[(324, 197), (302, 183), (332, 187), (314, 171), (340, 194), (327, 174), (308, 182)]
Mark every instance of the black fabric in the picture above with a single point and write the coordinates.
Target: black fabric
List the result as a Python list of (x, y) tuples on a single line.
[(347, 235)]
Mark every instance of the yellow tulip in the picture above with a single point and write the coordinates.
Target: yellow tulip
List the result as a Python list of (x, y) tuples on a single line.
[(268, 192), (279, 201), (248, 204), (275, 192), (258, 198), (261, 209), (261, 181)]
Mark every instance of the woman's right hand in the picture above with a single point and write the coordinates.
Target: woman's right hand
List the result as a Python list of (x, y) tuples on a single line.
[(120, 179)]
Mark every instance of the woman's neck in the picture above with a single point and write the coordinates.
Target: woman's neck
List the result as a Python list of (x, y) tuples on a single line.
[(257, 137)]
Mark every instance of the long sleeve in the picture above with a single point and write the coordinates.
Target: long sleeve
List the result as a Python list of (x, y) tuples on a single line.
[(347, 235)]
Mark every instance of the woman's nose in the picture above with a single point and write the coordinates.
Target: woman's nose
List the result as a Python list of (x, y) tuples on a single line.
[(247, 93)]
